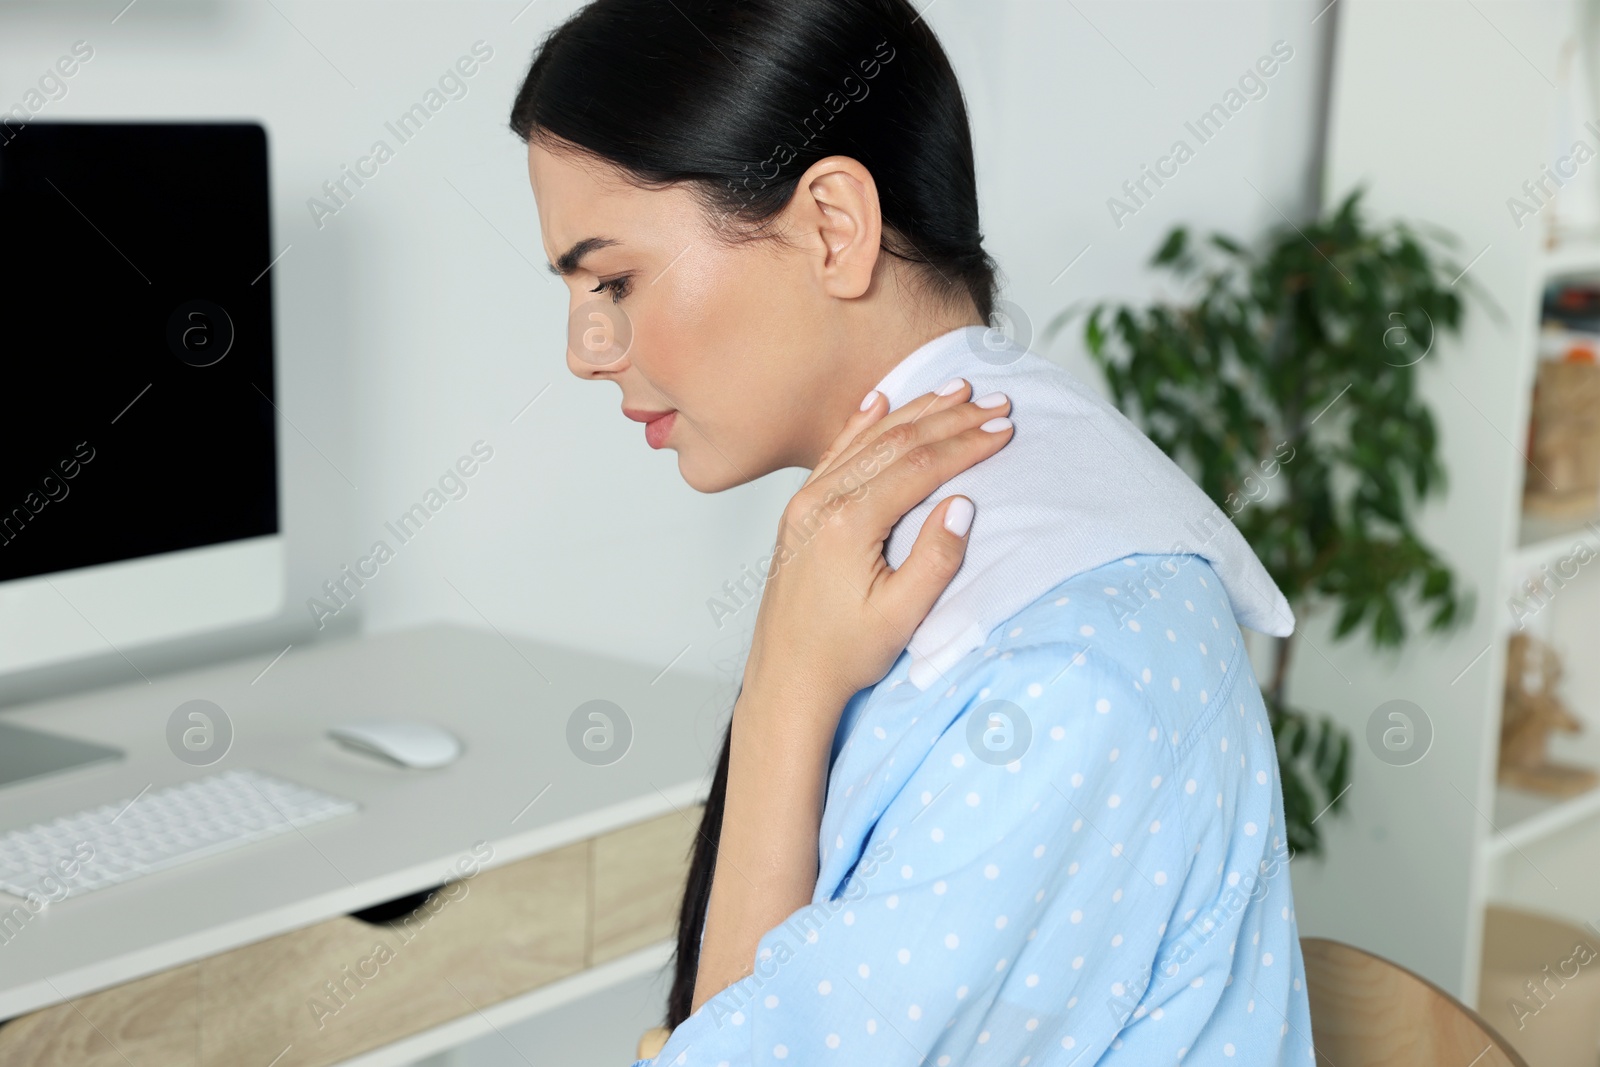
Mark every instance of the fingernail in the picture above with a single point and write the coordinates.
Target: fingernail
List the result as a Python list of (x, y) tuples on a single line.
[(953, 385), (867, 401), (996, 425), (958, 516), (990, 400)]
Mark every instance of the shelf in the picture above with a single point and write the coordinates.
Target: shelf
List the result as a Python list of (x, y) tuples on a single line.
[(1573, 258), (1522, 818), (1525, 818), (1541, 540)]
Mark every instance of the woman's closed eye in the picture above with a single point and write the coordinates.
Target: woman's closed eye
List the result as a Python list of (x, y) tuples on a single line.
[(617, 286)]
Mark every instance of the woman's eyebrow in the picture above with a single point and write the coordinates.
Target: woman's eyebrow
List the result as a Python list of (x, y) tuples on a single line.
[(567, 262)]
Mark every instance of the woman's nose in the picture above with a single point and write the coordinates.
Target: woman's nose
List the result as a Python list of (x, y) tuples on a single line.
[(598, 338)]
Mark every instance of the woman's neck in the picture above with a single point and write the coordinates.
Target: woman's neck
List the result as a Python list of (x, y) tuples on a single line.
[(869, 353)]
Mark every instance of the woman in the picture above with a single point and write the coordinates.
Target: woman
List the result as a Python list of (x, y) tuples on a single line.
[(998, 786)]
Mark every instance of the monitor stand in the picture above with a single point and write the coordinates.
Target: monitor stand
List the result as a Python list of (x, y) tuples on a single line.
[(28, 753)]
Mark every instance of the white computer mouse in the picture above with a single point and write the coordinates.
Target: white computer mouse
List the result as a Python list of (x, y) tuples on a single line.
[(417, 745)]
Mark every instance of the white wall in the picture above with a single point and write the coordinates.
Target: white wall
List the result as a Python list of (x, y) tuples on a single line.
[(418, 319)]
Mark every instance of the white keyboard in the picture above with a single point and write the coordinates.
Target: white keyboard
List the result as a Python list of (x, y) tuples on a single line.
[(162, 828)]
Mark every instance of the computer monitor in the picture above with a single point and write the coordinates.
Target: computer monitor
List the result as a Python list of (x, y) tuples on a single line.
[(138, 463)]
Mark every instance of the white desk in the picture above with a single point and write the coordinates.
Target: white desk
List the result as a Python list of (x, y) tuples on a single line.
[(510, 705)]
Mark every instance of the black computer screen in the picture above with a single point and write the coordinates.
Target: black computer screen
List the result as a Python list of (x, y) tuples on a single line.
[(136, 380)]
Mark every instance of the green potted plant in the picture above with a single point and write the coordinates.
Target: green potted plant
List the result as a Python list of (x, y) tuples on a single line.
[(1287, 386)]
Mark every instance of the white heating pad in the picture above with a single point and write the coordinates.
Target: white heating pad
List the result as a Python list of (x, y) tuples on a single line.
[(1077, 486)]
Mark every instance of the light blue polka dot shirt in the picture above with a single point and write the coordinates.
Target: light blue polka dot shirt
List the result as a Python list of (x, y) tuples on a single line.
[(1070, 851)]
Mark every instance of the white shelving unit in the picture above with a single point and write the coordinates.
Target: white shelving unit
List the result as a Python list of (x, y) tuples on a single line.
[(1571, 623), (1443, 110)]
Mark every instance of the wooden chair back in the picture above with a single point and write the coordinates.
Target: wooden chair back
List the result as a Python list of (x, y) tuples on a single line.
[(651, 1042), (1369, 1012)]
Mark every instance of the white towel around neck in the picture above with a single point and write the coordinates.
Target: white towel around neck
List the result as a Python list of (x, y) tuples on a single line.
[(1078, 486)]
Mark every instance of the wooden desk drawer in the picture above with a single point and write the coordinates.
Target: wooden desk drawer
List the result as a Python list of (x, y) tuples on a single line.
[(639, 872), (319, 995)]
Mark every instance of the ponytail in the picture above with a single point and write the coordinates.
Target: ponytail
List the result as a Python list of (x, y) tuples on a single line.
[(697, 893)]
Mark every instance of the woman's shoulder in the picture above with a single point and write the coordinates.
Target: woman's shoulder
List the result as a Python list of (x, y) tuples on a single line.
[(1158, 630), (1150, 637), (1126, 611)]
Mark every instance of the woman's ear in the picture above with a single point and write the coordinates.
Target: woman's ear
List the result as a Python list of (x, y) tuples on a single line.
[(838, 218)]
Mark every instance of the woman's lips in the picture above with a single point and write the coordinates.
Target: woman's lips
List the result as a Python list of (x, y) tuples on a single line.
[(656, 430), (657, 424)]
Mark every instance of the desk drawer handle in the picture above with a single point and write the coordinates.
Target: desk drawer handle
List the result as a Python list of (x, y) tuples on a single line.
[(393, 910)]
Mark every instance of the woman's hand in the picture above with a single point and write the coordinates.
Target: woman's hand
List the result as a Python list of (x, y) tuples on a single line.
[(833, 619), (834, 616)]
